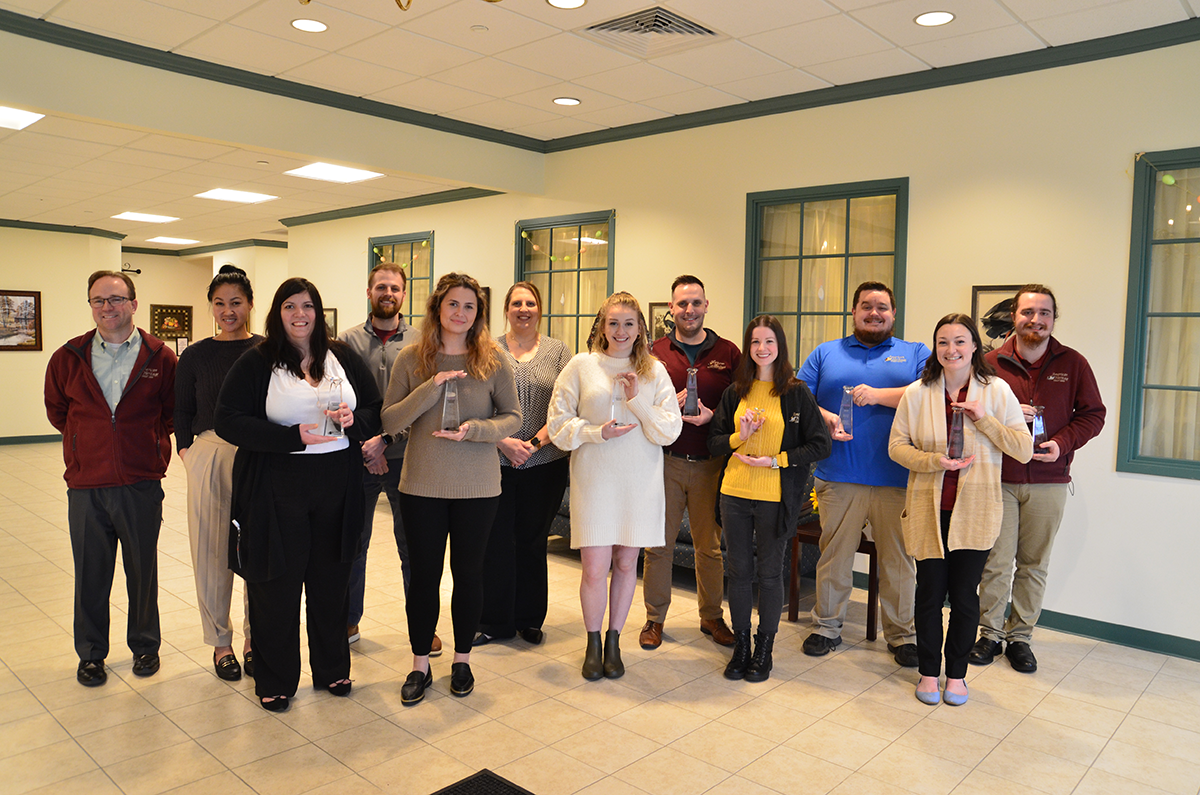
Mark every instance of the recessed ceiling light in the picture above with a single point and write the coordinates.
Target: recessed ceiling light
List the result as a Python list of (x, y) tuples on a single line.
[(145, 218), (331, 173), (479, 28), (174, 241), (240, 196), (565, 101), (309, 25), (932, 19), (13, 119), (568, 4)]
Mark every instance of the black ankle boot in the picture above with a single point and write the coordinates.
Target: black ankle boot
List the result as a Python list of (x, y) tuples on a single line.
[(760, 664), (593, 660), (613, 667), (741, 655)]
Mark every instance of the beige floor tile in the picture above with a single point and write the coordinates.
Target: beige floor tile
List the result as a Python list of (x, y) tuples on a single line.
[(976, 717), (104, 713), (1151, 767), (418, 772), (1184, 669), (693, 660), (489, 745), (942, 740), (710, 700), (671, 772), (95, 782), (1170, 740), (437, 718), (1112, 672), (1138, 658), (874, 718), (1175, 687), (382, 698), (978, 782), (1032, 768), (1101, 782), (369, 744), (297, 770), (659, 721), (605, 698), (897, 691), (834, 742), (135, 738), (43, 766), (1057, 740), (606, 747), (1181, 713), (501, 697), (807, 697), (351, 785), (318, 715), (724, 746), (794, 772), (858, 784), (736, 785), (610, 785), (217, 714), (20, 704), (853, 671), (653, 677), (1012, 695), (768, 720), (1078, 715), (550, 772), (249, 742), (27, 734), (915, 771), (553, 677), (225, 783), (549, 720), (164, 769), (1098, 692)]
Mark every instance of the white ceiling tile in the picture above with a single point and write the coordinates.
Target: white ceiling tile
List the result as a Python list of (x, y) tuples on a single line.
[(496, 78), (27, 139), (638, 82), (347, 75), (867, 67), (183, 147), (275, 19), (17, 170), (557, 128), (188, 181), (44, 157), (151, 159), (389, 13), (275, 164), (213, 9), (141, 193), (779, 84), (96, 182), (1108, 20), (854, 5), (132, 20), (894, 21), (86, 131), (825, 39), (224, 171), (505, 30), (501, 114), (724, 61), (738, 20), (11, 181), (621, 115), (418, 55), (248, 49), (976, 46), (1195, 6), (691, 101), (1040, 9), (543, 99), (566, 56), (30, 7), (431, 96), (111, 167), (578, 18)]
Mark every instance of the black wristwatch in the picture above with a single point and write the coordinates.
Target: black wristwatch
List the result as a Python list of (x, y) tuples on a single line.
[(536, 442), (387, 439)]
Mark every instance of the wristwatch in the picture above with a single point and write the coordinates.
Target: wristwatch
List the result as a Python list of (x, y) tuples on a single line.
[(388, 439), (774, 462), (536, 442)]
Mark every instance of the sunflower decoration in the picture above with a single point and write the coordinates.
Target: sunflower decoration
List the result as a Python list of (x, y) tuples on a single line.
[(813, 499)]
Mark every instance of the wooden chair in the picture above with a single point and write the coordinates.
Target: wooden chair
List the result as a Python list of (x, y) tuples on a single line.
[(809, 532)]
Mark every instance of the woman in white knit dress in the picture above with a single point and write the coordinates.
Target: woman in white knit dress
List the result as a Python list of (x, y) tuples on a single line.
[(615, 407)]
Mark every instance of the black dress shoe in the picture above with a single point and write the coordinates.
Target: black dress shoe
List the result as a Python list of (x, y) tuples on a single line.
[(145, 664), (817, 645), (462, 681), (228, 668), (532, 635), (905, 654), (91, 673), (481, 639), (415, 686), (248, 664), (1020, 656), (984, 651)]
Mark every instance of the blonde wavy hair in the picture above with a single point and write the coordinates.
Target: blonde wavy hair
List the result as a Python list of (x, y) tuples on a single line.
[(643, 360), (483, 354)]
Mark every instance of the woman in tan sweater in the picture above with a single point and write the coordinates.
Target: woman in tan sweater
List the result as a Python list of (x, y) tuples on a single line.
[(953, 507), (450, 483)]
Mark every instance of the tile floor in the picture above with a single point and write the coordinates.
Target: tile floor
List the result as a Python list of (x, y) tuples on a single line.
[(1096, 718)]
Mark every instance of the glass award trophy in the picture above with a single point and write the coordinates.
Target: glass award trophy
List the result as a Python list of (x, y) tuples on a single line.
[(954, 449), (846, 413), (691, 403), (333, 402), (450, 419), (1039, 429)]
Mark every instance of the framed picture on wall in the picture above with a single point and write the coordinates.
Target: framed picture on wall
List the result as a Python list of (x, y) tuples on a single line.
[(991, 309), (169, 322), (660, 321), (331, 322), (20, 320)]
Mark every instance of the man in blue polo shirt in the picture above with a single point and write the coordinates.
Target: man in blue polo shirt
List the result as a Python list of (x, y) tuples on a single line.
[(859, 484)]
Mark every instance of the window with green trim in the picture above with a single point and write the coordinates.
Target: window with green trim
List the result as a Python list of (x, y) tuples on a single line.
[(1160, 406), (808, 249), (570, 259), (414, 253)]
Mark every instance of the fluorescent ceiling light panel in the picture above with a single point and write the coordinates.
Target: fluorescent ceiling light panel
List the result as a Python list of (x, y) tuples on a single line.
[(309, 25), (174, 241), (568, 4), (239, 196), (327, 172), (13, 119), (145, 218)]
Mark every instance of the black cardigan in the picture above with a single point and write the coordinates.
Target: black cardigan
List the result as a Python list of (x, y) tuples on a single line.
[(805, 440), (256, 541)]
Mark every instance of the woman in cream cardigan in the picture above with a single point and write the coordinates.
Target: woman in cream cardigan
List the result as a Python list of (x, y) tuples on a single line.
[(953, 507)]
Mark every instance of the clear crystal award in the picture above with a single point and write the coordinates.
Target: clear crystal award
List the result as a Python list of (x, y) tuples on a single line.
[(1039, 429), (333, 402), (954, 449), (450, 420), (691, 403), (846, 413)]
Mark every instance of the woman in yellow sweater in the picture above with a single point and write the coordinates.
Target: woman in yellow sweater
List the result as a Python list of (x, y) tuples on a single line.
[(769, 424)]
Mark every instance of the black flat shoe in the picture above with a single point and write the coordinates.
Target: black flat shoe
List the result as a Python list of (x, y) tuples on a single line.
[(532, 635), (248, 664), (462, 681), (145, 664), (481, 639), (228, 668), (276, 704), (415, 686), (91, 673), (340, 688)]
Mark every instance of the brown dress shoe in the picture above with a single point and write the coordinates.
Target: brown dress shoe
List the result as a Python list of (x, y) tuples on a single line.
[(718, 629), (435, 648), (651, 637)]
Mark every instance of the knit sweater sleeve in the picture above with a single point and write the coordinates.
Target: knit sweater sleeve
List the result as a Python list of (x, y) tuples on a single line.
[(507, 419), (657, 408), (408, 397), (567, 429), (902, 447)]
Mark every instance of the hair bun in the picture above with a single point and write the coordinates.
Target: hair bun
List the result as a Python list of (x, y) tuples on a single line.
[(230, 268)]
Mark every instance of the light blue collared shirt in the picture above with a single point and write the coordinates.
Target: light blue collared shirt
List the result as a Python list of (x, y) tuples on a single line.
[(112, 364)]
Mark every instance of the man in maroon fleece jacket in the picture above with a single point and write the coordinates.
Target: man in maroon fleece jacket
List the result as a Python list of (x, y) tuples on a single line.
[(1047, 375), (111, 392)]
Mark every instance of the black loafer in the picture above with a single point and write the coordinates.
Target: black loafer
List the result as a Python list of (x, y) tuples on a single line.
[(415, 686), (816, 645), (904, 654), (248, 664), (145, 664), (481, 639), (276, 704), (228, 668), (532, 635), (91, 673), (1020, 656), (984, 651), (462, 681)]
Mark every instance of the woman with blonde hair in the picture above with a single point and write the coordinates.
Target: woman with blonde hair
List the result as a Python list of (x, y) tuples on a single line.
[(450, 482), (614, 407)]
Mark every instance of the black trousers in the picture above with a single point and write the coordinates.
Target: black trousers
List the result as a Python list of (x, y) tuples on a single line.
[(310, 495), (429, 522), (955, 576), (750, 530), (514, 567), (99, 519), (389, 484)]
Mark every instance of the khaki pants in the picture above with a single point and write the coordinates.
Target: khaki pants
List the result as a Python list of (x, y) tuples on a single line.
[(209, 464), (690, 484), (845, 509), (1032, 514)]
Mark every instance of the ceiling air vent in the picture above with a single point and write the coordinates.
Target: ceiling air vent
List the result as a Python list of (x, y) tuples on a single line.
[(650, 33)]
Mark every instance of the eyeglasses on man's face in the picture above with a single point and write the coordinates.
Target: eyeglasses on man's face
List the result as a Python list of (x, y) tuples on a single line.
[(116, 302)]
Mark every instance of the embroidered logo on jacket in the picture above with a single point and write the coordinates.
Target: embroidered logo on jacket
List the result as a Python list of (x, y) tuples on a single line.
[(795, 418), (150, 372), (1059, 378), (717, 365)]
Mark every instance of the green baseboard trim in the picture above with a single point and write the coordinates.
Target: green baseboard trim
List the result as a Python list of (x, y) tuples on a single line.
[(52, 437), (1105, 631)]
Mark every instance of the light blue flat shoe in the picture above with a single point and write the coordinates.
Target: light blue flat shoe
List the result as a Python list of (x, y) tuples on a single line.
[(954, 699), (932, 699)]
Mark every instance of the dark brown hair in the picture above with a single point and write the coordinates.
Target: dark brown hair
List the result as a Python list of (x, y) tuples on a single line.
[(98, 275), (231, 274), (979, 366), (873, 287), (482, 351), (390, 267), (783, 376), (276, 346), (1039, 289)]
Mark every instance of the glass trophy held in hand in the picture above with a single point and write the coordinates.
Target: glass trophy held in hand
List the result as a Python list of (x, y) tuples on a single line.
[(333, 402), (691, 403), (1040, 436), (450, 418), (846, 413), (616, 411), (957, 435)]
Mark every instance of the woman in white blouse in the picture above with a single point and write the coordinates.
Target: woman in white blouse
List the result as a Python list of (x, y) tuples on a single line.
[(615, 407)]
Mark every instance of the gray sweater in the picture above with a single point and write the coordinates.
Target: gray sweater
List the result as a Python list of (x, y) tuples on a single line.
[(436, 467)]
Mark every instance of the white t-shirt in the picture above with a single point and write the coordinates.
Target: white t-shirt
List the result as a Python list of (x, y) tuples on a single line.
[(294, 401)]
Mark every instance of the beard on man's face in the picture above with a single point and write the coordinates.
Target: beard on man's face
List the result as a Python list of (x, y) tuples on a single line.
[(385, 311), (872, 337)]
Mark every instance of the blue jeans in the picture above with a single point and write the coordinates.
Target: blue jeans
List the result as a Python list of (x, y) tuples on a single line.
[(389, 484)]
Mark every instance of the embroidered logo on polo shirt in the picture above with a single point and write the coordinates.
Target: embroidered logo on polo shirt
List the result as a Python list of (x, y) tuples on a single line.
[(795, 418), (718, 365), (897, 358), (1060, 378)]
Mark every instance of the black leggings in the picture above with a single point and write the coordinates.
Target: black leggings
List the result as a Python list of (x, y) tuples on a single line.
[(428, 522), (956, 575)]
